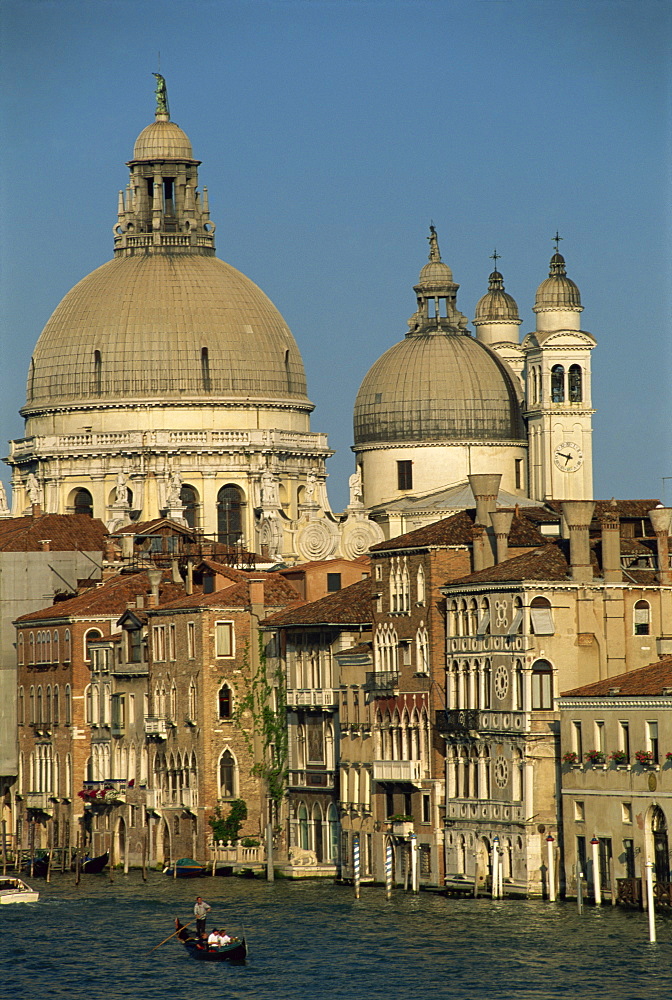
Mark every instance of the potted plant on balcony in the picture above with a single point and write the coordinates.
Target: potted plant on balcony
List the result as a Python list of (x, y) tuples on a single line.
[(619, 758), (402, 826), (645, 758), (595, 758), (571, 757)]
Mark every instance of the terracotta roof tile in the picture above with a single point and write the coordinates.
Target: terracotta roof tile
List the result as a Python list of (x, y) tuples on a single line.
[(457, 530), (278, 592), (651, 680), (349, 606), (110, 598), (66, 533), (545, 563), (626, 508)]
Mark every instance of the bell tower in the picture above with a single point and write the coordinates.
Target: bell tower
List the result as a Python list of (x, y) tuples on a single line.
[(558, 406)]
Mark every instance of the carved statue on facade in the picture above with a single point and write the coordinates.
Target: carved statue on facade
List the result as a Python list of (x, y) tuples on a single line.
[(4, 506), (33, 488), (269, 490), (173, 495), (355, 484), (121, 497)]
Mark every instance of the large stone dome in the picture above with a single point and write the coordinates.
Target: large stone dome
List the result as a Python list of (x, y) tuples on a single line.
[(437, 387), (159, 326)]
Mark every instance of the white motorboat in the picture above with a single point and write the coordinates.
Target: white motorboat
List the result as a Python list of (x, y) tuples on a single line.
[(15, 890)]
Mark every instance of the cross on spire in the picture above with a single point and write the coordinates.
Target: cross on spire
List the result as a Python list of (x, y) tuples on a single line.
[(495, 256), (556, 239)]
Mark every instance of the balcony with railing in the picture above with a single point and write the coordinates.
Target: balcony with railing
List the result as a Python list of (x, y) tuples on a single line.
[(304, 778), (381, 682), (484, 810), (40, 802), (312, 698), (156, 726), (457, 721), (154, 799), (405, 771)]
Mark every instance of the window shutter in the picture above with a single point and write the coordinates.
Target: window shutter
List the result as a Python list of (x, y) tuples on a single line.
[(542, 621), (516, 623)]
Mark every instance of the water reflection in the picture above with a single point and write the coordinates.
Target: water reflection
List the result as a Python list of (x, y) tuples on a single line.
[(311, 939)]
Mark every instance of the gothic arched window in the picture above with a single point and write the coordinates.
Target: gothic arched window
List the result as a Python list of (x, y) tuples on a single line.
[(227, 775), (224, 702)]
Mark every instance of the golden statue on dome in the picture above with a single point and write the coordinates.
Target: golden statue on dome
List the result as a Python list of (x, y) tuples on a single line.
[(161, 95)]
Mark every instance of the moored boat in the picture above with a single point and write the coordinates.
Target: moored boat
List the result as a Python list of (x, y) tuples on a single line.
[(92, 866), (235, 952), (15, 890), (186, 868)]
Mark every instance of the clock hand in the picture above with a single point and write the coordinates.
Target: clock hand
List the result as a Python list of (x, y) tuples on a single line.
[(567, 458)]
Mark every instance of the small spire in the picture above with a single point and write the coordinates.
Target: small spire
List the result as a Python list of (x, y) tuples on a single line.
[(496, 281), (434, 252), (161, 93)]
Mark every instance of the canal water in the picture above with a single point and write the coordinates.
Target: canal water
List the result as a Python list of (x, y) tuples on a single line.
[(312, 940)]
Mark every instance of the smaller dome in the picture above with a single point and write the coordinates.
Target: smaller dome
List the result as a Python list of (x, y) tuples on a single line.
[(557, 291), (435, 272), (496, 304), (162, 140)]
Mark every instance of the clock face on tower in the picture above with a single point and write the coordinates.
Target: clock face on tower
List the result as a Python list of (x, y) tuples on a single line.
[(568, 456)]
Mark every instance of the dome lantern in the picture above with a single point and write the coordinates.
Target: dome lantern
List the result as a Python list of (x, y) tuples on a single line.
[(436, 295)]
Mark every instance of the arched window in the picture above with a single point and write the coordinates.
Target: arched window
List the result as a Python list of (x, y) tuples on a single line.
[(575, 384), (66, 646), (192, 702), (89, 637), (68, 705), (227, 775), (484, 617), (173, 703), (40, 716), (189, 500), (20, 707), (422, 649), (642, 618), (225, 702), (302, 814), (47, 706), (229, 515), (56, 706), (333, 827), (83, 503), (31, 648), (420, 585), (55, 658), (39, 649), (31, 703), (557, 384), (542, 684), (47, 647), (20, 650)]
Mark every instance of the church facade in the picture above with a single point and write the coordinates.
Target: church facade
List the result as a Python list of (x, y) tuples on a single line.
[(166, 383)]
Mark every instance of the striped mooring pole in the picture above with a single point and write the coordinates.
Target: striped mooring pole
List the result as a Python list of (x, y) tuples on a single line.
[(388, 869), (356, 863)]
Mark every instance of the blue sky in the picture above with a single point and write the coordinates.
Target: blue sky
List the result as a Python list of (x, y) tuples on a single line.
[(331, 133)]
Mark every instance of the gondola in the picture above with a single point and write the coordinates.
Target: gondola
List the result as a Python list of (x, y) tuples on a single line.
[(235, 952), (92, 866), (39, 866)]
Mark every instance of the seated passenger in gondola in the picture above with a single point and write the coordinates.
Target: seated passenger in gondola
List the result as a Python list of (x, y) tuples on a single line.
[(213, 938)]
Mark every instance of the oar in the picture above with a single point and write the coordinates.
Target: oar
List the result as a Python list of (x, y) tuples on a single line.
[(172, 935)]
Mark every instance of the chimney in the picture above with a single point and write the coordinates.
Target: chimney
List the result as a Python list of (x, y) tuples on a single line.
[(257, 593), (36, 509), (578, 514), (611, 544), (154, 576), (45, 544), (660, 519), (175, 569), (501, 523), (189, 582), (485, 488), (127, 546), (140, 602), (478, 542)]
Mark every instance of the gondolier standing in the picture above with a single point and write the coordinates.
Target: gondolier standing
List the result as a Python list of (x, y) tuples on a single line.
[(201, 910)]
